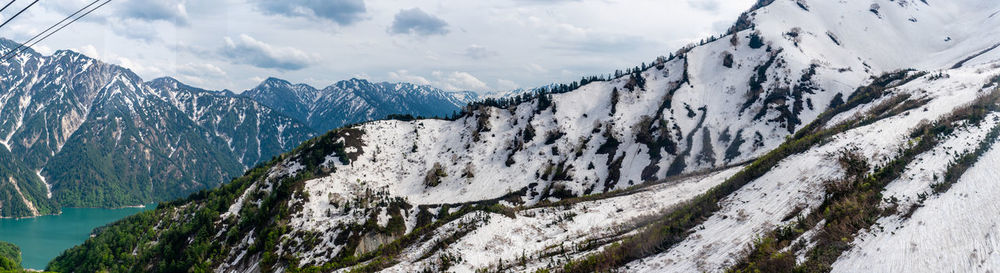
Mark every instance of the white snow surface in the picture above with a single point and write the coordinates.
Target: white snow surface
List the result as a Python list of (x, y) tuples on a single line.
[(796, 181), (953, 232), (929, 168), (48, 187), (534, 231)]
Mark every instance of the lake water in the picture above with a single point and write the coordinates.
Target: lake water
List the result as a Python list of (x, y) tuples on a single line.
[(43, 238)]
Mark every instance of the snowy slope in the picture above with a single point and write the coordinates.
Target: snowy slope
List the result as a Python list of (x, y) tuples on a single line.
[(537, 231), (554, 182), (952, 232), (798, 180)]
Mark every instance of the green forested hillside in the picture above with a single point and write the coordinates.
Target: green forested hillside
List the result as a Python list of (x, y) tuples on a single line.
[(180, 236), (119, 158), (28, 196), (10, 257)]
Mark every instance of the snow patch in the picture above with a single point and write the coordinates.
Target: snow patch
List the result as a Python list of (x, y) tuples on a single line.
[(48, 187), (534, 231), (953, 232), (798, 180)]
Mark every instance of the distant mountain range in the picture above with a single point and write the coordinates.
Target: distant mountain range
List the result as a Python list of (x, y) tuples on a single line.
[(355, 100), (75, 131)]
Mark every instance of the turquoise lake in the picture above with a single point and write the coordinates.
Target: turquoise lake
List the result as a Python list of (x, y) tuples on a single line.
[(43, 238)]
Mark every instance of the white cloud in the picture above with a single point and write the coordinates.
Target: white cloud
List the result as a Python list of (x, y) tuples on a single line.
[(343, 12), (479, 52), (202, 70), (191, 80), (44, 50), (257, 79), (458, 81), (135, 29), (535, 68), (172, 11), (564, 36), (707, 5), (89, 50), (363, 76), (449, 81), (247, 50), (505, 85), (405, 76), (417, 22), (137, 67), (20, 32)]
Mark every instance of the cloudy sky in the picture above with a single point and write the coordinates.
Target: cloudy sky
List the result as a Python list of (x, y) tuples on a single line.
[(452, 44)]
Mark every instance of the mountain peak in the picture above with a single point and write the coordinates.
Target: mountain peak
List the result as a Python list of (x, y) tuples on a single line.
[(7, 44), (274, 82), (70, 53), (165, 80), (358, 80), (352, 83), (171, 83)]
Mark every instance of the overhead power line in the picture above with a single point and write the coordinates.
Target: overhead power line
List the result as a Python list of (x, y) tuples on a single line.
[(26, 44), (7, 5), (18, 13), (23, 45)]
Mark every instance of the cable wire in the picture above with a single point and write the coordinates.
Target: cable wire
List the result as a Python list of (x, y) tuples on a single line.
[(7, 5), (18, 13), (22, 45), (11, 54)]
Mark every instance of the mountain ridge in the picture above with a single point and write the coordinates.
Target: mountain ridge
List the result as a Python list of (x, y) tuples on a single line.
[(355, 100)]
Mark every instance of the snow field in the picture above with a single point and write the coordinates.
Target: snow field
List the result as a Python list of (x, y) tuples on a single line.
[(537, 231), (954, 232), (797, 181)]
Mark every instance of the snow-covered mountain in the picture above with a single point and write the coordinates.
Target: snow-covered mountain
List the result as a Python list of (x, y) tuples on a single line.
[(814, 136), (356, 100), (75, 131), (85, 133), (252, 131)]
